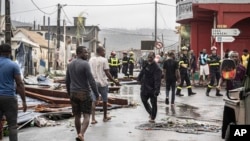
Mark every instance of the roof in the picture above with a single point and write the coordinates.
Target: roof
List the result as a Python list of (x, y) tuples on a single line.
[(33, 36)]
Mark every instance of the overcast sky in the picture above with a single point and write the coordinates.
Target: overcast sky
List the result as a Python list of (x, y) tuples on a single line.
[(129, 16)]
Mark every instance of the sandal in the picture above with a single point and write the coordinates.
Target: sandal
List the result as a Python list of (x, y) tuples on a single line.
[(94, 122), (79, 138), (106, 119)]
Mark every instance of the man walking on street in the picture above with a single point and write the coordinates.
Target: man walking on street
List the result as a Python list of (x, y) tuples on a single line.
[(150, 79), (214, 63), (100, 70), (172, 74), (204, 69), (78, 79), (9, 75), (184, 64)]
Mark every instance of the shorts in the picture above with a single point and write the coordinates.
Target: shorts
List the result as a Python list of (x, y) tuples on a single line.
[(103, 91), (81, 106), (204, 69)]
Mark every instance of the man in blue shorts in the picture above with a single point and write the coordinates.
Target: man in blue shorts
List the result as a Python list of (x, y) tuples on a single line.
[(100, 70)]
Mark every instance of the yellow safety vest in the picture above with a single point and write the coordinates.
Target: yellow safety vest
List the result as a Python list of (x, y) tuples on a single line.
[(114, 62), (245, 60)]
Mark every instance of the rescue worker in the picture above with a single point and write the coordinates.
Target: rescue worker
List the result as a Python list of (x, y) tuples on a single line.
[(184, 65), (113, 64), (214, 66), (131, 63), (125, 61), (245, 58)]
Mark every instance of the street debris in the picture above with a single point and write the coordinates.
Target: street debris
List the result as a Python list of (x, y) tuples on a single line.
[(188, 127)]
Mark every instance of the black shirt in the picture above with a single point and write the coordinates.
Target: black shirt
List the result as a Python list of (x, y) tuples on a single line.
[(170, 66)]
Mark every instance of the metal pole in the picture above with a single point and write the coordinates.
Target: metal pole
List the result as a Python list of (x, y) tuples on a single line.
[(155, 21), (64, 48), (58, 26), (221, 49), (7, 22), (48, 44)]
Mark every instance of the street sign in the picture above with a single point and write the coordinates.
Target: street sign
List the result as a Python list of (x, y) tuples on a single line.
[(225, 32), (158, 45), (224, 39)]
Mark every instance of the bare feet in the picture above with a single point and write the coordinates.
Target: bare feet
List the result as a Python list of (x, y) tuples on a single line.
[(106, 119)]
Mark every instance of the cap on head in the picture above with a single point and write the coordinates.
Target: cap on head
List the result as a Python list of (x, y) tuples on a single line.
[(213, 48), (124, 52), (184, 48)]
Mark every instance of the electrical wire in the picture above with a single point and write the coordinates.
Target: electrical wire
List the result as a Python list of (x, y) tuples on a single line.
[(166, 4), (66, 16), (134, 34), (18, 12), (131, 4), (42, 10)]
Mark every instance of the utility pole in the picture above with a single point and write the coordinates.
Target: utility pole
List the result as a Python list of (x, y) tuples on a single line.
[(155, 21), (58, 25), (48, 43), (7, 22)]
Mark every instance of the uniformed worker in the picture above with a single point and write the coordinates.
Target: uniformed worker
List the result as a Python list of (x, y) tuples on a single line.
[(125, 61), (184, 65), (245, 58), (113, 64), (131, 63), (214, 62)]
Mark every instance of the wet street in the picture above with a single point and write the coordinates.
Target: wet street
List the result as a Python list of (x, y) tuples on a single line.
[(131, 123)]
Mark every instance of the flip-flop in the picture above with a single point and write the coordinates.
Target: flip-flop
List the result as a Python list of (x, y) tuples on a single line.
[(106, 119), (79, 138), (94, 122)]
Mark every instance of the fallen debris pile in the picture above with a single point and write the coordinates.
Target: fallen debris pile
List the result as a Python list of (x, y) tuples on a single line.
[(181, 127)]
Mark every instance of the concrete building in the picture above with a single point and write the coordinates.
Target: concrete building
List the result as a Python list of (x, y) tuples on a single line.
[(200, 16)]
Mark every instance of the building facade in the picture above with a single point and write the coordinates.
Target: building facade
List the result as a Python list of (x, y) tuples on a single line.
[(201, 16)]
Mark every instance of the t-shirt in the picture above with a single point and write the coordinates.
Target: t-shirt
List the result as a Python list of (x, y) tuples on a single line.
[(170, 66), (79, 77), (98, 64), (8, 69)]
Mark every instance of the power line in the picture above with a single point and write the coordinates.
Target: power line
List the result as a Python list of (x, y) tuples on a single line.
[(41, 9), (166, 4), (131, 4), (17, 12), (134, 34), (66, 16)]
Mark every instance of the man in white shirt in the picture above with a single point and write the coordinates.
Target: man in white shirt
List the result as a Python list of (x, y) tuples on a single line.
[(100, 69)]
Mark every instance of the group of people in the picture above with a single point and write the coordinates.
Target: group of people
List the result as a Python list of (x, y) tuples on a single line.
[(87, 81), (177, 71), (126, 64)]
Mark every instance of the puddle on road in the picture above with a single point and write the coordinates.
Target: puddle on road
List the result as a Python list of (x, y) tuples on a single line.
[(183, 111)]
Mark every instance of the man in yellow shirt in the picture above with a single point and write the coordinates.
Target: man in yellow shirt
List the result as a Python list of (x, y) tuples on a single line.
[(245, 58)]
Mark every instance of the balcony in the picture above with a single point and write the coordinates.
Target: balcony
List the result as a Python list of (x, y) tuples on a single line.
[(184, 8)]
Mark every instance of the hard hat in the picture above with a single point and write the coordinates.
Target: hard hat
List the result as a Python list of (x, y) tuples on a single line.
[(213, 48), (184, 48), (131, 52), (113, 53)]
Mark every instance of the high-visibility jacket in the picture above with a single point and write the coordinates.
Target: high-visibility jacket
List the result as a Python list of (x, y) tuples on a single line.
[(114, 62), (245, 60)]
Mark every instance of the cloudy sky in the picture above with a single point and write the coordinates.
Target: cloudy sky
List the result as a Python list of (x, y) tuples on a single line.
[(123, 15)]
